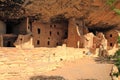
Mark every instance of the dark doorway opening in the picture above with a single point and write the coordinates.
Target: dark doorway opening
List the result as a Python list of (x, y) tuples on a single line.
[(9, 30), (92, 30), (39, 30), (66, 35), (9, 44), (110, 35), (38, 42), (48, 43), (58, 33), (50, 33), (10, 27), (111, 44)]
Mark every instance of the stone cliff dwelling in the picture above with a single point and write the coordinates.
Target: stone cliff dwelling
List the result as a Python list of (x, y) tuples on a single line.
[(9, 32), (49, 34), (74, 33), (112, 37)]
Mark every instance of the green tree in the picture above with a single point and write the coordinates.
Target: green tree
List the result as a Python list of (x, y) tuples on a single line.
[(119, 39), (111, 4), (117, 11)]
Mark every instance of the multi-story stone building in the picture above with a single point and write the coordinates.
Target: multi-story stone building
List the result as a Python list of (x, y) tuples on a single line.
[(74, 33)]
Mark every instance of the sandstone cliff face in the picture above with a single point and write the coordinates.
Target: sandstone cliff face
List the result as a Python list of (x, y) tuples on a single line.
[(96, 13)]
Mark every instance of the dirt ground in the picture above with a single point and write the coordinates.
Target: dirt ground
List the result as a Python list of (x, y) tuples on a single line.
[(17, 64), (83, 69)]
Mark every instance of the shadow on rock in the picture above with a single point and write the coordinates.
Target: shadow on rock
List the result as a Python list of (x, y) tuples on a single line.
[(47, 78), (103, 60)]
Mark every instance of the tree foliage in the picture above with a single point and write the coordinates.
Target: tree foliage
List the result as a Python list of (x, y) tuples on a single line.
[(117, 11), (110, 3), (119, 39), (116, 59)]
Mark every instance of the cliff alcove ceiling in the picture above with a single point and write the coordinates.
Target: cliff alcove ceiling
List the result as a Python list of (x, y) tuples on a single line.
[(96, 13)]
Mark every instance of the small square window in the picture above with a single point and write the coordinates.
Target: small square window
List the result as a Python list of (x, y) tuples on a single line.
[(38, 30), (51, 26), (111, 44), (57, 44), (28, 27), (54, 26), (48, 43), (58, 33), (66, 33), (77, 24), (110, 35), (48, 38), (50, 33), (38, 42)]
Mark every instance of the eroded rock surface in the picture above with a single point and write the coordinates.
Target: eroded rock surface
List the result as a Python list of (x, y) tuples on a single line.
[(95, 12)]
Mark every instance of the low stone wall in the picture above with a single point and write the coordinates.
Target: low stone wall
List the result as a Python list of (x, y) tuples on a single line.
[(21, 64), (49, 54), (58, 54)]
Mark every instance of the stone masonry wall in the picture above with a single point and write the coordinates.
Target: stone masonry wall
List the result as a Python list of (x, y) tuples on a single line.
[(100, 40), (73, 34), (24, 41), (112, 37), (2, 27), (49, 34), (9, 39), (21, 64)]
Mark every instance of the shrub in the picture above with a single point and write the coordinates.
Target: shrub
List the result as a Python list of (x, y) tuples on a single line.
[(110, 2), (119, 39), (117, 11), (116, 74), (116, 58), (117, 54), (117, 63)]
